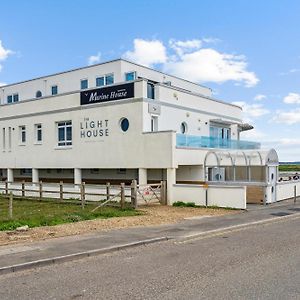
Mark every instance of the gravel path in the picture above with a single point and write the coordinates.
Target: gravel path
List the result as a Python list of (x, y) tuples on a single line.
[(153, 215)]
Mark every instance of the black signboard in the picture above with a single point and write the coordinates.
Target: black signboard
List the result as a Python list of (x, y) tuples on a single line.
[(109, 93)]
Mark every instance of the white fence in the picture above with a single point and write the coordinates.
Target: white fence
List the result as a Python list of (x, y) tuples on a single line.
[(211, 195), (286, 189)]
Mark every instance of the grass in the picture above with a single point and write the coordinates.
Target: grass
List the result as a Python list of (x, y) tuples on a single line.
[(36, 213), (289, 168)]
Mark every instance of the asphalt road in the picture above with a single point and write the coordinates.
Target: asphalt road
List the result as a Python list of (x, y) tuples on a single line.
[(259, 262)]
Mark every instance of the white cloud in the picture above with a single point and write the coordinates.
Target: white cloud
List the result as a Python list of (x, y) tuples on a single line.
[(209, 65), (292, 98), (253, 134), (259, 97), (188, 59), (94, 59), (252, 110), (287, 117), (147, 53), (4, 52), (291, 71), (2, 83), (289, 142)]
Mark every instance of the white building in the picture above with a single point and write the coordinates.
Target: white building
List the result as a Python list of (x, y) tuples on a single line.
[(118, 121)]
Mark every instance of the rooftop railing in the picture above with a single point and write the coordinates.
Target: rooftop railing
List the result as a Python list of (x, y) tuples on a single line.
[(193, 141)]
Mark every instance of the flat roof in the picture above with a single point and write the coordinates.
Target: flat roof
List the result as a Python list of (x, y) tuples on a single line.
[(99, 64)]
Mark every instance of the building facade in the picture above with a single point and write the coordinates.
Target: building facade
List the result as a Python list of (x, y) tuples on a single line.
[(119, 121)]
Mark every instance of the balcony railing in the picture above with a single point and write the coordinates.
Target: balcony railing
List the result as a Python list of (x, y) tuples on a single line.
[(193, 141)]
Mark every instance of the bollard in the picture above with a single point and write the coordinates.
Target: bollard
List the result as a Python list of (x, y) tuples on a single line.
[(107, 191), (61, 192), (10, 206), (295, 194), (134, 194)]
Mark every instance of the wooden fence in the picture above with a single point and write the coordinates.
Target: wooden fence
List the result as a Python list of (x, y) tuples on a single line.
[(105, 194)]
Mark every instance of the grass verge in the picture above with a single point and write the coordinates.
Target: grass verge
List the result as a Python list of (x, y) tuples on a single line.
[(192, 204), (36, 213)]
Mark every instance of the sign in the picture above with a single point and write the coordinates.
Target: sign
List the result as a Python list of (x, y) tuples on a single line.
[(109, 93), (154, 108)]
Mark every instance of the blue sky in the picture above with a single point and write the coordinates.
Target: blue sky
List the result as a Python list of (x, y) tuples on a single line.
[(248, 52)]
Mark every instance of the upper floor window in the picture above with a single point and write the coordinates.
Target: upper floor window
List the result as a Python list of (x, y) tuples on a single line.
[(54, 90), (150, 90), (183, 128), (38, 94), (38, 133), (84, 84), (12, 98), (64, 131), (130, 76), (220, 132), (100, 81), (109, 79), (22, 133)]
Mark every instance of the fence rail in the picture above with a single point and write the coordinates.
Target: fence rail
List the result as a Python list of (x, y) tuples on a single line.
[(105, 194)]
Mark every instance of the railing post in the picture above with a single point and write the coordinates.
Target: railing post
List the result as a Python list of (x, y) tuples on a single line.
[(61, 191), (41, 190), (10, 206), (295, 193), (6, 187), (134, 194), (107, 190), (122, 202), (82, 193), (23, 188)]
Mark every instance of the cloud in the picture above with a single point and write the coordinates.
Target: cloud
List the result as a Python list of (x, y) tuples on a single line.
[(259, 97), (190, 60), (94, 59), (2, 83), (292, 98), (209, 65), (253, 134), (291, 71), (252, 110), (4, 53), (287, 117), (147, 53)]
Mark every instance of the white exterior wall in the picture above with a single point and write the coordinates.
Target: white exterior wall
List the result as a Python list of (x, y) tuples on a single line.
[(222, 196), (285, 189)]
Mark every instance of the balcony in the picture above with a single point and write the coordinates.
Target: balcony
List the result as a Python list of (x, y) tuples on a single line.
[(193, 141)]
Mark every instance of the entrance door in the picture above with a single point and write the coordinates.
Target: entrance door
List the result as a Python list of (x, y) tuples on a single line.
[(272, 179)]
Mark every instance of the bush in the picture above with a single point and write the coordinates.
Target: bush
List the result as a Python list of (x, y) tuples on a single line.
[(184, 204)]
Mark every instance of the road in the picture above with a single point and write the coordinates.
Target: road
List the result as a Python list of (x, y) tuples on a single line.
[(258, 262)]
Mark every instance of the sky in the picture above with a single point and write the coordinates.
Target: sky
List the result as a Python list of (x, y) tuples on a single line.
[(248, 52)]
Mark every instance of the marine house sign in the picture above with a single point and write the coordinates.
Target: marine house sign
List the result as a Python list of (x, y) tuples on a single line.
[(105, 94)]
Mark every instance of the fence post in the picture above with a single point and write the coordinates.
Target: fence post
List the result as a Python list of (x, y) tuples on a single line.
[(162, 192), (23, 188), (41, 190), (10, 206), (134, 194), (61, 192), (82, 193), (295, 193), (107, 190), (122, 202), (6, 187)]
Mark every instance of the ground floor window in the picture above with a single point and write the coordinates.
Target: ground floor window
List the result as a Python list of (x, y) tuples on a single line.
[(64, 131)]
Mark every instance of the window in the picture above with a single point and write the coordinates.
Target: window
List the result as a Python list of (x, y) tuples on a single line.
[(124, 124), (64, 131), (38, 94), (16, 97), (154, 124), (26, 172), (220, 133), (150, 90), (3, 138), (12, 98), (84, 84), (109, 79), (100, 81), (121, 171), (9, 138), (9, 99), (130, 76), (54, 90), (38, 133), (183, 128), (22, 130)]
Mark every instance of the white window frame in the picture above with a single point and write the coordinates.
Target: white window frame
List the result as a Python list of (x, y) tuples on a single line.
[(135, 76), (65, 125), (22, 129), (38, 127)]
